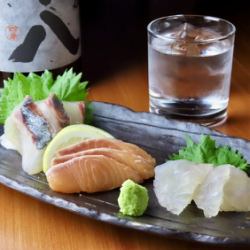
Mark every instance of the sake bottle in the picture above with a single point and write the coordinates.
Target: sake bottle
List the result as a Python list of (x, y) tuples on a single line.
[(37, 35)]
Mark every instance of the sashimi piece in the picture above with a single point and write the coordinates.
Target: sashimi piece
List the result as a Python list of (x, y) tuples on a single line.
[(31, 156), (136, 162), (209, 196), (10, 139), (176, 182), (226, 188), (29, 117), (61, 114), (53, 111), (88, 144), (28, 132), (75, 111), (107, 143), (236, 191), (32, 118), (32, 125), (89, 173)]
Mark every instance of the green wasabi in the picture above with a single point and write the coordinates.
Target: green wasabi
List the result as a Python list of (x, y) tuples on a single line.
[(133, 199)]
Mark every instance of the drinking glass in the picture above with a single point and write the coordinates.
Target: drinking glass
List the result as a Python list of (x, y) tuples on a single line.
[(189, 67)]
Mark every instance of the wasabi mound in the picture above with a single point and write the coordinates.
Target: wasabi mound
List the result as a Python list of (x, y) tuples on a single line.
[(133, 199)]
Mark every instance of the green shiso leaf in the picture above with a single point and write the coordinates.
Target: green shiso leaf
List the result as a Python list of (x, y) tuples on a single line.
[(67, 87), (206, 151)]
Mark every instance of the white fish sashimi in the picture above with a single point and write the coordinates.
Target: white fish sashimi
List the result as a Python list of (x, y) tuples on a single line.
[(209, 196), (226, 188), (236, 191), (176, 182)]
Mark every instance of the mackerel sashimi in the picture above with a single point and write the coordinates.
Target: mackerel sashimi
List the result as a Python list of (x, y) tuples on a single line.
[(32, 125)]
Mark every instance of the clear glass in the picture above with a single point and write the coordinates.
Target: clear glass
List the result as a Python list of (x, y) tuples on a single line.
[(189, 67)]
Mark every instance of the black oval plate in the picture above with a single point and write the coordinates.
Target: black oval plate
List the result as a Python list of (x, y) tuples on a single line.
[(160, 137)]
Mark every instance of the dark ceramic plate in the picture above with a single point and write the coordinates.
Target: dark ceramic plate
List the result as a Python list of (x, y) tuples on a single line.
[(160, 137)]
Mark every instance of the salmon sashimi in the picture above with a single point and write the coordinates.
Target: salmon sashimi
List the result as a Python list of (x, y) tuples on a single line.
[(106, 143), (133, 160), (90, 173), (87, 144), (96, 165)]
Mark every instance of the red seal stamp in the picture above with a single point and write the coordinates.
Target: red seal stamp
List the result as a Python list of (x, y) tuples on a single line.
[(12, 32)]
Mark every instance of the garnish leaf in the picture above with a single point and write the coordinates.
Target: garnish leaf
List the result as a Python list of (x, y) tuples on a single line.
[(206, 151), (67, 87)]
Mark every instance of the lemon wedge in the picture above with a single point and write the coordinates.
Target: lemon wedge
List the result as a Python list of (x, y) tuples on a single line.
[(70, 135)]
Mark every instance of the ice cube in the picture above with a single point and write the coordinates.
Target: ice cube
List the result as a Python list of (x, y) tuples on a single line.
[(188, 37), (185, 48), (190, 32), (186, 31), (204, 34)]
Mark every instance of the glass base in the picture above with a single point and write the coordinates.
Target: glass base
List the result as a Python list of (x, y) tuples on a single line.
[(211, 120)]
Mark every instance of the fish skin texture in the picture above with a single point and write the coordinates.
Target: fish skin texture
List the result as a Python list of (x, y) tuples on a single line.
[(32, 125)]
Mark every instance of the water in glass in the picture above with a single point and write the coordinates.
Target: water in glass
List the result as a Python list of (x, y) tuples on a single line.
[(187, 77)]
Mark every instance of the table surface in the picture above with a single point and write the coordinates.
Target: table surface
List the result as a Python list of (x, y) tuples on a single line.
[(27, 223)]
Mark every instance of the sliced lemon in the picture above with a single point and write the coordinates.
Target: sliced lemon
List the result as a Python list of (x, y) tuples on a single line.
[(68, 136)]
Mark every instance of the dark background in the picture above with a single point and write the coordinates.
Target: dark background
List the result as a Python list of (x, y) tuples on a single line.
[(114, 33)]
